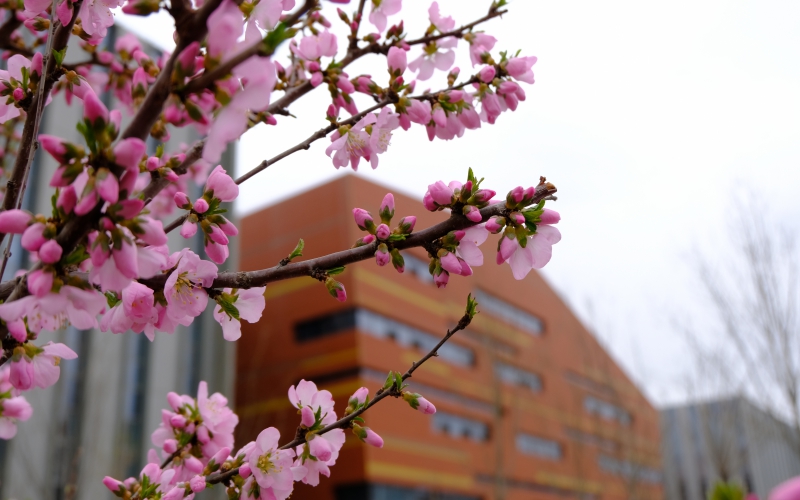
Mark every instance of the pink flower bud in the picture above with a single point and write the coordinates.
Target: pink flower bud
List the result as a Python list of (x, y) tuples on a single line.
[(177, 492), (112, 484), (18, 94), (472, 213), (387, 205), (94, 109), (186, 59), (363, 219), (518, 218), (366, 240), (397, 60), (192, 464), (107, 185), (487, 74), (197, 484), (549, 217), (516, 194), (225, 189), (139, 79), (33, 238), (152, 165), (382, 256), (53, 145), (17, 329), (320, 448), (307, 417), (177, 421), (40, 282), (217, 253), (441, 279), (222, 455), (50, 252), (484, 195), (426, 406), (36, 64), (188, 229), (407, 224), (182, 200), (331, 113), (217, 236), (456, 95), (507, 248), (202, 434), (244, 471), (529, 193), (459, 235), (174, 400), (450, 263), (360, 396), (170, 446), (128, 152), (372, 438), (228, 228), (316, 79), (312, 66), (383, 232), (14, 221), (67, 199), (200, 206), (494, 225), (439, 117), (441, 193)]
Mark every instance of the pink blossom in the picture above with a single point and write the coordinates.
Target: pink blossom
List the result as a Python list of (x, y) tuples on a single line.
[(218, 418), (487, 74), (223, 187), (432, 58), (96, 16), (441, 279), (14, 221), (480, 43), (426, 406), (270, 466), (67, 199), (225, 26), (520, 68), (55, 146), (94, 110), (249, 302), (536, 253), (216, 253), (351, 145), (443, 24), (307, 417), (381, 135), (419, 112), (359, 397), (32, 366), (12, 410), (40, 282), (382, 256), (197, 484), (267, 13), (184, 288), (440, 193), (306, 394), (397, 60), (129, 152), (312, 47), (468, 246), (15, 64), (381, 10), (33, 237)]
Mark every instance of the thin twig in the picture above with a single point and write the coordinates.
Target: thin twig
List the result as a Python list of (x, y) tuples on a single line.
[(345, 421)]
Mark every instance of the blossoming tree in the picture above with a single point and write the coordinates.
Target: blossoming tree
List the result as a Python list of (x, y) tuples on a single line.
[(101, 259)]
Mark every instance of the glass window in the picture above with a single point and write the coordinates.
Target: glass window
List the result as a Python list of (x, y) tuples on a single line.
[(327, 325), (508, 313), (516, 376), (628, 469), (418, 268), (539, 447), (606, 410), (456, 426)]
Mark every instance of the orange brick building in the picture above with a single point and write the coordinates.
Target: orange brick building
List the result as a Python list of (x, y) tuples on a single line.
[(529, 404)]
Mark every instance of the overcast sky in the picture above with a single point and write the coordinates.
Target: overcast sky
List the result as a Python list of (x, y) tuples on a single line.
[(646, 115)]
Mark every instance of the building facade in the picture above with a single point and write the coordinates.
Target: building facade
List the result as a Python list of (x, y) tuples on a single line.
[(97, 419), (529, 404), (728, 439)]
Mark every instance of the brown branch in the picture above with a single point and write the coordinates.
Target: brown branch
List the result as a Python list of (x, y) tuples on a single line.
[(250, 279), (345, 422)]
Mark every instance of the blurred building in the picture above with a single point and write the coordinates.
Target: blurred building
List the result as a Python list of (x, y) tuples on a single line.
[(530, 406), (97, 419), (729, 439)]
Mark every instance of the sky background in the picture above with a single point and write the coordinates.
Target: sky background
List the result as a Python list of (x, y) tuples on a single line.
[(651, 118)]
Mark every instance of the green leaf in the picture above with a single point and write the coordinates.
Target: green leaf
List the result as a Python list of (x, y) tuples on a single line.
[(227, 305), (335, 271), (472, 307), (59, 56), (76, 256), (298, 250), (389, 380), (398, 381), (397, 237)]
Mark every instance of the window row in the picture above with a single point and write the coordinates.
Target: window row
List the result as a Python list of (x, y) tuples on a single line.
[(508, 313), (382, 327), (629, 470), (606, 410)]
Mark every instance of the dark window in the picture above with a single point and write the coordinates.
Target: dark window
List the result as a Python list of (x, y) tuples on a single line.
[(508, 313), (538, 446), (382, 327), (516, 376), (457, 427), (321, 327), (388, 492), (606, 410)]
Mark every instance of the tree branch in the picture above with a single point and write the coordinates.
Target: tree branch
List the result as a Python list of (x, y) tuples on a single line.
[(345, 421)]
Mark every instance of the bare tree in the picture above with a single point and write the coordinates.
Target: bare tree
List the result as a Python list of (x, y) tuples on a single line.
[(754, 294)]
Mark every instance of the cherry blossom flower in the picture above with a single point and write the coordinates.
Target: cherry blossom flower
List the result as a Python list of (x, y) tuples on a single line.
[(50, 312), (520, 68), (13, 407), (248, 302), (432, 58), (443, 24), (33, 366), (96, 16), (15, 64), (381, 9), (184, 288), (313, 47), (381, 135), (270, 466), (468, 246), (536, 253), (350, 145)]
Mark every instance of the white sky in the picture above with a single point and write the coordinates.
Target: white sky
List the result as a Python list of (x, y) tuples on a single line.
[(646, 115)]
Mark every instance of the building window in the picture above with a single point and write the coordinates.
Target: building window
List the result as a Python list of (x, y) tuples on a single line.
[(418, 268), (538, 447), (630, 470), (365, 491), (606, 410), (508, 313), (515, 376), (385, 328), (579, 436), (455, 426)]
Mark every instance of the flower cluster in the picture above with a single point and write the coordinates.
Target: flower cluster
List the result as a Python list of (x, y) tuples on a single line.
[(13, 407), (384, 251)]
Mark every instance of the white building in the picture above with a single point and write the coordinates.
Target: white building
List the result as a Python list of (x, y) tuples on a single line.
[(97, 419)]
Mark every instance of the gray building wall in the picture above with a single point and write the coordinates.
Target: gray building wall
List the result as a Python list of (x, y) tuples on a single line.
[(729, 439), (97, 419)]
